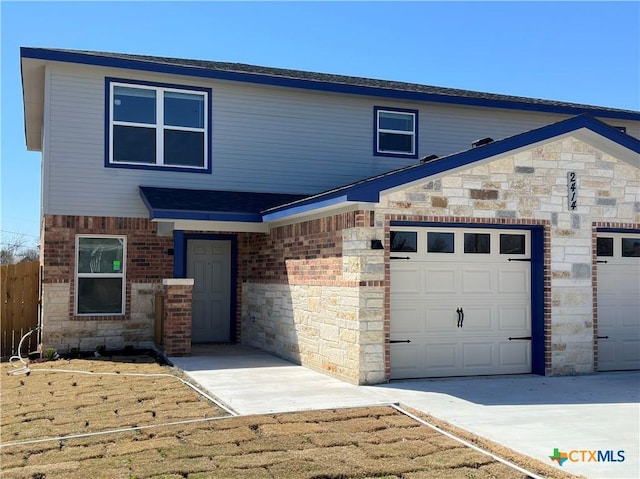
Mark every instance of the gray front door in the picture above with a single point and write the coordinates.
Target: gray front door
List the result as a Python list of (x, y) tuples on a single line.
[(209, 264)]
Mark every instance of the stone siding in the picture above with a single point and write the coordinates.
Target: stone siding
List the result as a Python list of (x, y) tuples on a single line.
[(63, 332), (311, 296), (526, 188)]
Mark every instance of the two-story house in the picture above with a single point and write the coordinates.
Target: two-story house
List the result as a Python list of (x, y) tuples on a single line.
[(369, 229)]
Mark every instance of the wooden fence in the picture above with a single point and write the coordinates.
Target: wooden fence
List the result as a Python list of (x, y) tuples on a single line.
[(20, 289)]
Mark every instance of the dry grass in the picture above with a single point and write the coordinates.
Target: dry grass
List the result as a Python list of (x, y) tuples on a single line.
[(363, 443)]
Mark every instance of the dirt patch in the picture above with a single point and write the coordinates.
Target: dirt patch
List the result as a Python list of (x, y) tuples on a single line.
[(350, 443)]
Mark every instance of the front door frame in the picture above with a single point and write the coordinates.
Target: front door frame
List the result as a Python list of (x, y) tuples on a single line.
[(180, 239)]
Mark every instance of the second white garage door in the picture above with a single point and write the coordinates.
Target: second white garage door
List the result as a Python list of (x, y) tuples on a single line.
[(460, 302), (618, 301)]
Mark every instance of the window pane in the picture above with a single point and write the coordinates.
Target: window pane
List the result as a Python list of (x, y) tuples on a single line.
[(136, 105), (184, 109), (395, 121), (99, 295), (183, 148), (477, 243), (512, 244), (100, 255), (132, 144), (406, 241), (630, 247), (395, 142), (605, 246), (440, 242)]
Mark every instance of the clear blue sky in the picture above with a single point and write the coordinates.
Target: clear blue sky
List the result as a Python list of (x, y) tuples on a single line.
[(585, 52)]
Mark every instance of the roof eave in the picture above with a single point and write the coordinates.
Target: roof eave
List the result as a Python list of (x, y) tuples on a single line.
[(32, 73), (195, 71)]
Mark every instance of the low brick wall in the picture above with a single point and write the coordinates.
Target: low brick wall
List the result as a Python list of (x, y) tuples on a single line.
[(178, 294)]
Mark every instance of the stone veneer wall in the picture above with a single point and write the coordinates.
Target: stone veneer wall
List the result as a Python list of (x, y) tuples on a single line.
[(530, 187), (147, 263), (308, 296)]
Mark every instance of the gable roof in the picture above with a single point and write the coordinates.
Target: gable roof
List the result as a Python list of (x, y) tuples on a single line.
[(584, 127), (317, 81)]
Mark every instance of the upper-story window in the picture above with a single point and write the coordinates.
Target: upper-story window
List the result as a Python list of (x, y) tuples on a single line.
[(396, 132), (153, 125)]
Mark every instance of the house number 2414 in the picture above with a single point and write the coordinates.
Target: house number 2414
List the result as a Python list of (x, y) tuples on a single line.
[(572, 185)]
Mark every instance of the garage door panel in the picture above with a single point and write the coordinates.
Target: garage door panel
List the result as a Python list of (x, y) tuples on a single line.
[(630, 351), (630, 320), (408, 319), (606, 352), (477, 355), (441, 357), (514, 318), (440, 319), (477, 280), (513, 281), (406, 280), (441, 280), (406, 360), (477, 318), (515, 356)]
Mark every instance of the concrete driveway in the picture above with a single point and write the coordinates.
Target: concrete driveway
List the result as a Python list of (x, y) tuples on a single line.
[(530, 414)]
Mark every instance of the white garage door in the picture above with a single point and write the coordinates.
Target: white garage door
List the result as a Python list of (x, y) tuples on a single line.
[(457, 297), (618, 301)]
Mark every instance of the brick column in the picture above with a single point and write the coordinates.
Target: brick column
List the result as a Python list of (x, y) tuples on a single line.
[(177, 316)]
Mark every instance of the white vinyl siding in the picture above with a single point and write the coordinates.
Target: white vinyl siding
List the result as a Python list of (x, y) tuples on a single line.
[(264, 139)]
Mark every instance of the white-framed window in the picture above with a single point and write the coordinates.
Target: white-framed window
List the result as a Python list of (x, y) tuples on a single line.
[(100, 275), (396, 132), (154, 125)]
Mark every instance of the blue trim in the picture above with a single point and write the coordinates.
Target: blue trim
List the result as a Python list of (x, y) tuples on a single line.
[(177, 169), (203, 215), (431, 224), (369, 190), (180, 267), (618, 230), (179, 254), (150, 66), (537, 300), (537, 278), (413, 155), (304, 207)]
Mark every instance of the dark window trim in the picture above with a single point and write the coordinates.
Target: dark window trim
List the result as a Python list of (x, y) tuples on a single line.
[(107, 121), (376, 109)]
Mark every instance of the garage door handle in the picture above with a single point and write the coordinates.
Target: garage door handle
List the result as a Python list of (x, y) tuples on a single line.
[(602, 261), (521, 338), (394, 341), (603, 337), (460, 312)]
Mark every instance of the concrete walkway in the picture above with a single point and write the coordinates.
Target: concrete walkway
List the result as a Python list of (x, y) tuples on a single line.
[(530, 414)]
